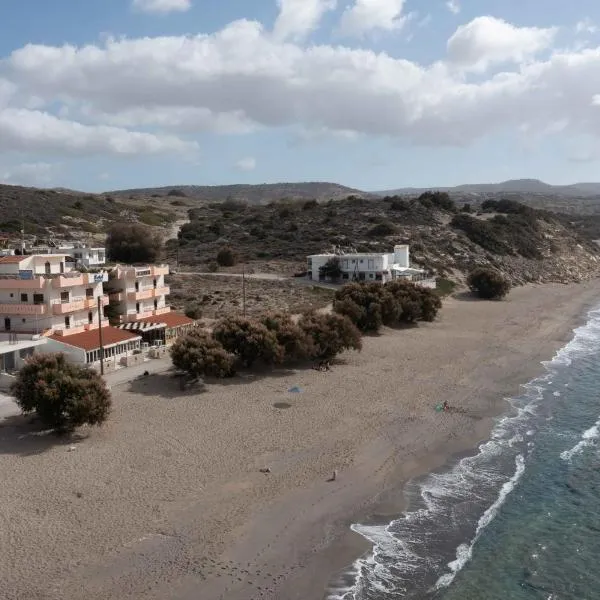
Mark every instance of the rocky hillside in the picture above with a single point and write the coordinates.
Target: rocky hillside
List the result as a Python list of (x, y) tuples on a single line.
[(71, 214), (527, 244), (251, 194)]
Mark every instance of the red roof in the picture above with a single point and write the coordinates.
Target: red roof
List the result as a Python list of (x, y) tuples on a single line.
[(11, 260), (170, 319), (90, 340)]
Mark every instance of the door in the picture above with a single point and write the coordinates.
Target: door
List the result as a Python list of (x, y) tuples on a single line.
[(9, 362), (7, 323)]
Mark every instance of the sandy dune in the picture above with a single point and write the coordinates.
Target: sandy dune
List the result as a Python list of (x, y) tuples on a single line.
[(167, 501)]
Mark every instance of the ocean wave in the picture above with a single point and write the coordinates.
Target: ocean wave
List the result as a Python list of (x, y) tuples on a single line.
[(588, 438), (465, 551), (442, 504)]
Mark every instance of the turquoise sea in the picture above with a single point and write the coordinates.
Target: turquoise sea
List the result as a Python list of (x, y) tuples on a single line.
[(518, 519)]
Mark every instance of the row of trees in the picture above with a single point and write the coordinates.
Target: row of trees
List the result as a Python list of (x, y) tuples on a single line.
[(275, 339), (371, 305)]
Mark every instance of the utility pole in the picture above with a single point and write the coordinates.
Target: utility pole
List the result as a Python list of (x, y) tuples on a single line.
[(244, 289), (100, 335)]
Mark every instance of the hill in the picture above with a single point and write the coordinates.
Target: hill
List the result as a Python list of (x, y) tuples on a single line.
[(252, 194), (70, 214), (527, 244)]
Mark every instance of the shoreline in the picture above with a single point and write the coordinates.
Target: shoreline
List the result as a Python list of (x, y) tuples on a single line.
[(171, 502)]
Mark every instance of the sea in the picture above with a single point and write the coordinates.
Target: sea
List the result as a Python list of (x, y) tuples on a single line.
[(518, 518)]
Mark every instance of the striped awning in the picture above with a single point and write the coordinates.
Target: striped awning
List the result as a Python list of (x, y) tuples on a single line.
[(140, 326)]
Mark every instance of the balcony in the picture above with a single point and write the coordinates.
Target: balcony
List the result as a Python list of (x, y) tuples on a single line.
[(16, 283), (148, 293), (23, 309), (117, 297), (157, 270), (63, 281), (161, 311), (63, 308), (165, 290), (91, 303)]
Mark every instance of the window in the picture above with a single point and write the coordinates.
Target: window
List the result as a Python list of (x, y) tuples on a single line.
[(6, 323), (154, 283), (90, 317), (64, 297), (137, 307), (345, 264), (371, 264), (344, 275), (67, 322), (137, 286), (62, 267), (89, 293), (48, 268), (155, 304), (371, 275), (24, 298), (38, 298)]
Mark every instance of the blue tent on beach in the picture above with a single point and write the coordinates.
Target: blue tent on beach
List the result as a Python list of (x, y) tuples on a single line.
[(295, 390)]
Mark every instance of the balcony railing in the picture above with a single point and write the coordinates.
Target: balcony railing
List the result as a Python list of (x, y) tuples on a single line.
[(23, 309), (147, 293), (60, 307)]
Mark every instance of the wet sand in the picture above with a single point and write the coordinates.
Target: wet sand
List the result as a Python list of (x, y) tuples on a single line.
[(167, 501)]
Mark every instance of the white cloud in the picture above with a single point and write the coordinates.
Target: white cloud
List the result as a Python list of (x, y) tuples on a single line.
[(369, 15), (453, 6), (586, 25), (36, 131), (162, 6), (298, 18), (487, 40), (33, 174), (242, 75), (246, 164)]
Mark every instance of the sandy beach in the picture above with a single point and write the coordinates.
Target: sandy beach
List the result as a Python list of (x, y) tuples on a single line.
[(167, 500)]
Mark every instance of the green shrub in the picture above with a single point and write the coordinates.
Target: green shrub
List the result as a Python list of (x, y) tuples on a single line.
[(488, 283), (310, 204), (296, 344), (199, 355), (226, 257), (63, 395), (332, 269), (382, 230), (249, 340), (132, 243), (331, 334), (193, 311)]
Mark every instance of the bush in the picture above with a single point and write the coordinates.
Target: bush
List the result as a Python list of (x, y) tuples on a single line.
[(439, 200), (177, 193), (193, 311), (310, 204), (63, 395), (367, 305), (488, 283), (226, 257), (200, 355), (249, 340), (133, 243), (213, 266), (332, 269), (295, 342), (382, 230), (330, 334), (371, 305)]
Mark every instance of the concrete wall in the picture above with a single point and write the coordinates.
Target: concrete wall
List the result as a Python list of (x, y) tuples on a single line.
[(75, 355)]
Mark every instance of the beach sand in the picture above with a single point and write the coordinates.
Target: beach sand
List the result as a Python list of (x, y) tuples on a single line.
[(167, 500)]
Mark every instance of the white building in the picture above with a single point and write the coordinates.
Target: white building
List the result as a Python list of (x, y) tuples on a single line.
[(14, 350), (43, 294), (85, 256), (370, 266), (138, 292)]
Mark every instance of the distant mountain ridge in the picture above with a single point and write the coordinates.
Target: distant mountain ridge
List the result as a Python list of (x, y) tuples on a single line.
[(253, 194), (523, 186)]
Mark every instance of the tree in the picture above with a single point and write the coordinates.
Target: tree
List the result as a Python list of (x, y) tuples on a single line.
[(200, 355), (62, 394), (133, 243), (226, 257), (382, 230), (332, 269), (249, 340), (193, 310), (331, 334), (488, 283), (417, 303), (296, 343), (367, 305)]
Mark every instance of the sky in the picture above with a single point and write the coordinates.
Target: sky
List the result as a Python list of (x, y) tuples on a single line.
[(373, 94)]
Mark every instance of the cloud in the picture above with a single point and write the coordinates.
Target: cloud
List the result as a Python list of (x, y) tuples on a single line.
[(34, 174), (369, 15), (586, 26), (246, 164), (486, 41), (298, 18), (36, 131), (243, 75), (162, 6), (453, 6)]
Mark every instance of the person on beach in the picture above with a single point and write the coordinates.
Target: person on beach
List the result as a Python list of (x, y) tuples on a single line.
[(446, 406)]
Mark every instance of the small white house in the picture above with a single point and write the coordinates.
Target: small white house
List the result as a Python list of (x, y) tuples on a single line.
[(370, 266)]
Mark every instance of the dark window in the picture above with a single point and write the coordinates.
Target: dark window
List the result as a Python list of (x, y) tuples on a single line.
[(48, 268), (89, 293), (90, 317), (154, 282), (62, 267), (155, 304), (137, 307), (137, 286), (38, 298), (64, 297), (68, 322), (7, 324), (24, 298)]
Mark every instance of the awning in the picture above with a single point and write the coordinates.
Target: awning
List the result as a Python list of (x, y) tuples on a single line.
[(140, 326)]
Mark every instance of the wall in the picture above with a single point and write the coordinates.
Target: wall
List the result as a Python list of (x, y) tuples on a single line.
[(76, 355)]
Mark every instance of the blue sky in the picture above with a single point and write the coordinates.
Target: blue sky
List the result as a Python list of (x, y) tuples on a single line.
[(373, 94)]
